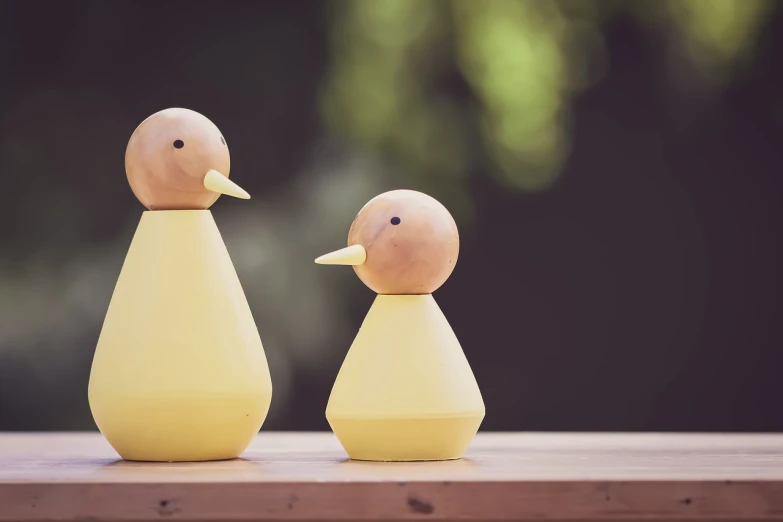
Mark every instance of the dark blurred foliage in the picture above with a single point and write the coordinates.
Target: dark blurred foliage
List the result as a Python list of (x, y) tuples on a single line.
[(614, 167)]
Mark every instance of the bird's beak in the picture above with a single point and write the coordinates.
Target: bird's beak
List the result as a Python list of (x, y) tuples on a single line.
[(217, 182), (352, 255)]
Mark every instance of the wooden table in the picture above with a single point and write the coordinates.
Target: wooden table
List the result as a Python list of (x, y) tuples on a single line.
[(305, 476)]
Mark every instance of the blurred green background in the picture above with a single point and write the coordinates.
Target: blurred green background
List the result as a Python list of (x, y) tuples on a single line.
[(614, 168)]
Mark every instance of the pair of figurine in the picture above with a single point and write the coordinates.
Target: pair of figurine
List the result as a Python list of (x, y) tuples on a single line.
[(180, 373)]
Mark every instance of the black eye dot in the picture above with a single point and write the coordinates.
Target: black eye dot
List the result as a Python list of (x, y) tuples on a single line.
[(179, 144), (222, 140), (395, 220)]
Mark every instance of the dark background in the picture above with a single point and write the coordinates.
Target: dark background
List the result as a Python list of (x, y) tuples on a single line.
[(614, 167)]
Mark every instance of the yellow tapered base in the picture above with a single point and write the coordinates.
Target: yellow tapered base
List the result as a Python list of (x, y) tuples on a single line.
[(179, 372), (183, 429), (405, 390), (406, 439)]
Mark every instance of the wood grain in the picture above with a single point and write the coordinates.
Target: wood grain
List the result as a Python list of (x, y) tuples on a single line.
[(305, 476)]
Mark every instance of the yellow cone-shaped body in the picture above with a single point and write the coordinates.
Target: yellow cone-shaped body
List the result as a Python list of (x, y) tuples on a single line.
[(179, 373), (405, 390)]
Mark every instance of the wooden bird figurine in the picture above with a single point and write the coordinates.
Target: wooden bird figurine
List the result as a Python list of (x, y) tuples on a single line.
[(179, 373), (405, 390)]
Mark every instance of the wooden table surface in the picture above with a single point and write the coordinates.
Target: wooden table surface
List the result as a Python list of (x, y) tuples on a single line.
[(306, 476)]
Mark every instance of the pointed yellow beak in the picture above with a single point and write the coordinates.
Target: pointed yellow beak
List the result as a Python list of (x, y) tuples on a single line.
[(352, 255), (217, 182)]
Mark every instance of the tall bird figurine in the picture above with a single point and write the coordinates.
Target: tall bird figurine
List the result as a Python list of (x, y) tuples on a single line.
[(405, 390), (179, 373)]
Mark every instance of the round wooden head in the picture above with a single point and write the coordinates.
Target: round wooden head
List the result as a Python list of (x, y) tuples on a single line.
[(401, 242), (177, 159)]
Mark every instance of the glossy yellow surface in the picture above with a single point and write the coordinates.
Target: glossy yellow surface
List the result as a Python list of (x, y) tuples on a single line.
[(179, 373), (405, 390)]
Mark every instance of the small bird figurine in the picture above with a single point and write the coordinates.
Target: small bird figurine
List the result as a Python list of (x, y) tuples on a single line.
[(179, 373), (405, 390)]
